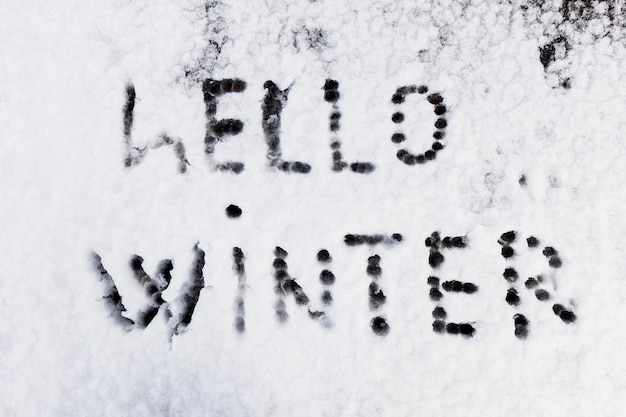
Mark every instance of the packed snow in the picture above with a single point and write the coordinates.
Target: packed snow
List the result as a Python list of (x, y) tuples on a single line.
[(350, 261)]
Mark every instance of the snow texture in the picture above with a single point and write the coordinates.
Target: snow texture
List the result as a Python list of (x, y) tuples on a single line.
[(312, 207)]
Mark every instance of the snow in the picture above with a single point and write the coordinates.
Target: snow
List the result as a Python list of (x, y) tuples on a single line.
[(65, 194)]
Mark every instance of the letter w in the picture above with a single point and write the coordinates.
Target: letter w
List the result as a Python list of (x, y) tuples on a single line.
[(154, 288)]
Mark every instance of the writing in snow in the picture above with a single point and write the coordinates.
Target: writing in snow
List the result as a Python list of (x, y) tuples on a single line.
[(179, 312), (272, 106)]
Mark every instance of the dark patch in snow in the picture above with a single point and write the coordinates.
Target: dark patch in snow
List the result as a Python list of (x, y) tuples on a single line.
[(233, 211), (564, 23), (507, 238), (510, 274), (327, 277), (532, 242), (379, 326), (507, 251), (521, 326), (312, 38), (531, 283), (439, 313), (376, 296), (324, 256), (215, 36), (512, 297)]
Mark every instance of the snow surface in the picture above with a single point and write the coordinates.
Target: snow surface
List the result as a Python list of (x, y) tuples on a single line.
[(65, 193)]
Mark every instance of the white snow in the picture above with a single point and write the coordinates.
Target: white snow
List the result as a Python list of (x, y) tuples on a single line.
[(64, 192)]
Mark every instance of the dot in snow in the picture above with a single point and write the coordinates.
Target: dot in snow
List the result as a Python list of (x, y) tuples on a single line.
[(521, 332), (508, 237), (327, 297), (439, 313), (409, 159), (332, 96), (567, 316), (532, 241), (362, 167), (435, 258), (531, 283), (435, 99), (397, 117), (458, 242), (422, 89), (466, 329), (511, 297), (452, 328), (435, 294), (520, 320), (430, 155), (510, 274), (214, 88), (379, 326), (280, 252), (469, 288), (324, 256), (440, 109), (300, 167), (227, 85), (542, 295), (327, 277), (240, 324), (280, 274), (437, 146), (331, 85), (398, 138), (433, 281), (374, 270), (373, 260), (438, 135), (233, 211), (521, 326), (439, 326), (441, 123), (452, 286), (555, 262), (522, 180), (279, 263), (397, 98), (397, 237), (239, 86), (549, 251), (507, 251)]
